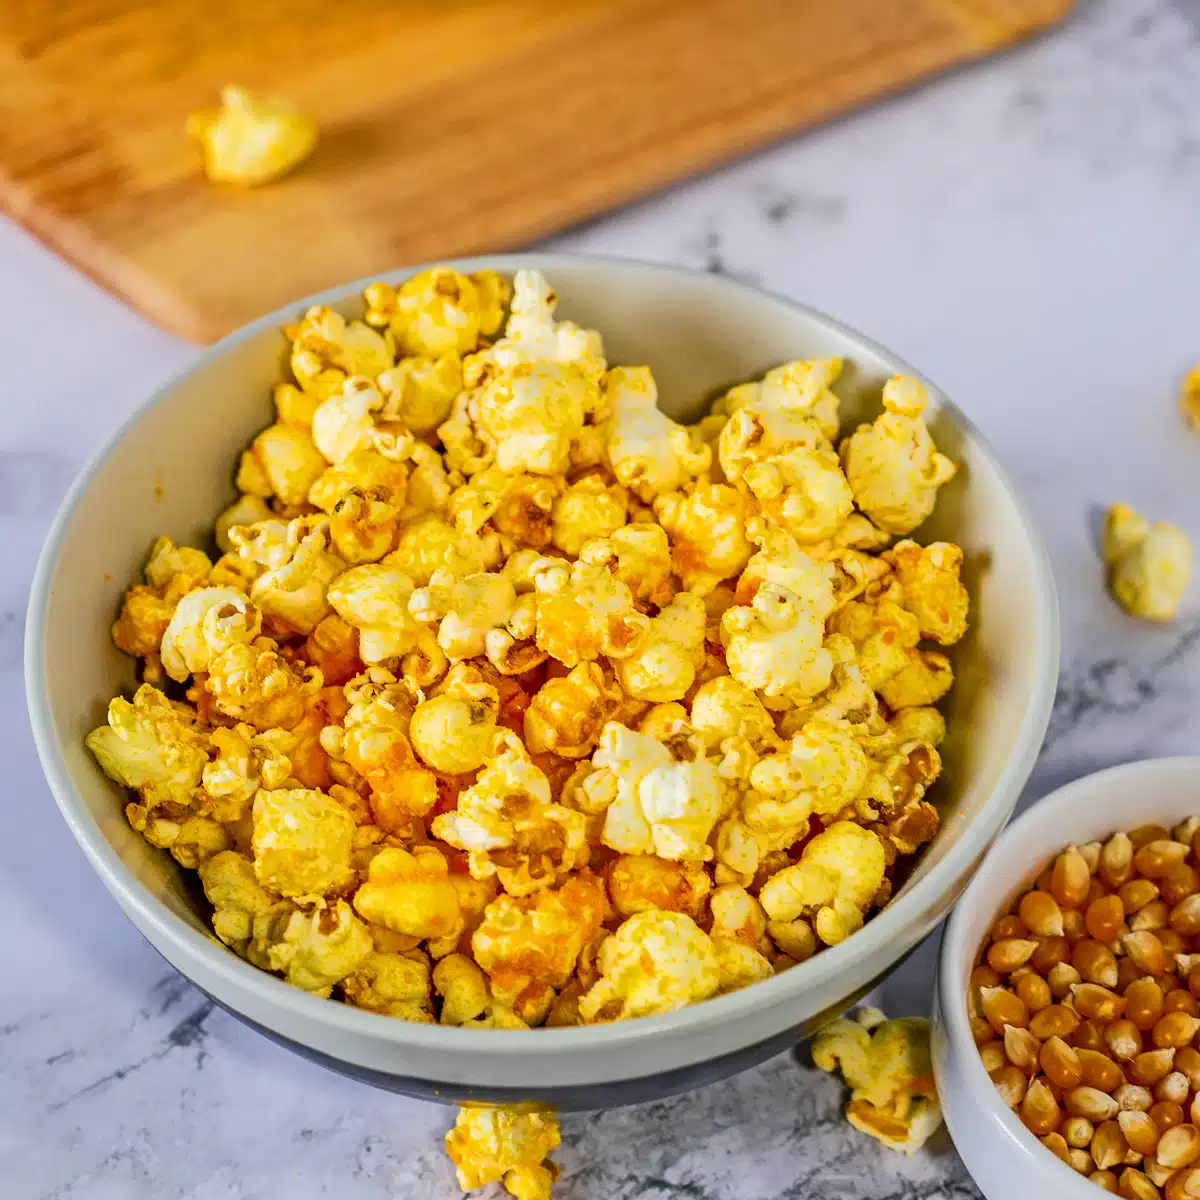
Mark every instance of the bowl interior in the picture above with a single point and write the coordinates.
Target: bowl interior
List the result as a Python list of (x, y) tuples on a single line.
[(169, 471)]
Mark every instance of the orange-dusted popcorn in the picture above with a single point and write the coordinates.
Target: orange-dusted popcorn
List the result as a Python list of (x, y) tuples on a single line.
[(302, 841), (566, 714), (707, 527), (637, 882), (411, 893), (500, 1145)]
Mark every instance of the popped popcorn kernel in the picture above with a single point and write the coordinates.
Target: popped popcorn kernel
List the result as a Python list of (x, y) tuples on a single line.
[(647, 451), (251, 139), (663, 665), (254, 683), (723, 708), (327, 350), (205, 622), (152, 745), (439, 311), (656, 962), (374, 598), (394, 983), (429, 544), (707, 527), (454, 730), (283, 460), (505, 1145), (638, 882), (639, 555), (463, 988), (931, 588), (302, 842), (887, 1065), (837, 876), (292, 591), (589, 508), (509, 826), (171, 572), (583, 612), (1149, 565), (240, 903), (803, 388), (419, 392), (321, 948), (892, 464), (566, 714), (411, 893), (1189, 398)]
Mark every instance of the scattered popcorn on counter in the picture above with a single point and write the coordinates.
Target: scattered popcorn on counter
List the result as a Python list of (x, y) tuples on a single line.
[(1149, 565), (511, 701), (505, 1145), (887, 1066), (250, 139)]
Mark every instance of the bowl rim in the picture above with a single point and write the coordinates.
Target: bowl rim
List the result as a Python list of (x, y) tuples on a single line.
[(146, 911), (1053, 812)]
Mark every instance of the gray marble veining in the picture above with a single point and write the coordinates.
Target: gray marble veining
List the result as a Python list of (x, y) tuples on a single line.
[(1025, 232)]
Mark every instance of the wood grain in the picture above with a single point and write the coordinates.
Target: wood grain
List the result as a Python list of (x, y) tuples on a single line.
[(448, 126)]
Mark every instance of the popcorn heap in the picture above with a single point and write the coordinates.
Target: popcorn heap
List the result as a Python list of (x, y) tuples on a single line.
[(512, 702)]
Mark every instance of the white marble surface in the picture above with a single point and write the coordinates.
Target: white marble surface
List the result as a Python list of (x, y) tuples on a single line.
[(1025, 231)]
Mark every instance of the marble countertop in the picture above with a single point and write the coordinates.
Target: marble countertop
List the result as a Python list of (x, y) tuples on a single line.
[(1025, 231)]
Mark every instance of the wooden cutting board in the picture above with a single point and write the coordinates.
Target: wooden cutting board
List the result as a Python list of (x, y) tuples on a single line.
[(448, 126)]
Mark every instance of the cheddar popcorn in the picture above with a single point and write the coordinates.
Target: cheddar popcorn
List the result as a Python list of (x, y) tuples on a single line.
[(1149, 565), (251, 139), (501, 1145), (512, 701), (888, 1067)]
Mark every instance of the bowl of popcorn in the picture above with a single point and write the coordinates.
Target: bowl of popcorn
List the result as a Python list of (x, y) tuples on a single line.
[(540, 679), (1067, 1023)]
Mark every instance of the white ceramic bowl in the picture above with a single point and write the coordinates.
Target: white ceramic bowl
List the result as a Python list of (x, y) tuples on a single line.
[(1005, 1159), (168, 471)]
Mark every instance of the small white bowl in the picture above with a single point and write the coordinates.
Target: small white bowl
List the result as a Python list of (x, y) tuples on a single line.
[(1005, 1159), (168, 471)]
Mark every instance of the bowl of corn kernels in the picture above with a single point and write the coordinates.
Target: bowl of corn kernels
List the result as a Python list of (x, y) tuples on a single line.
[(1067, 1019), (540, 679)]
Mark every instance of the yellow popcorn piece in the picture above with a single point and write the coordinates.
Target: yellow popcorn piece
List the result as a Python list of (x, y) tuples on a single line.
[(786, 463), (240, 903), (774, 645), (931, 588), (837, 876), (663, 665), (439, 311), (781, 561), (509, 826), (152, 745), (302, 841), (639, 882), (283, 460), (454, 730), (191, 840), (205, 622), (533, 335), (893, 466), (366, 471), (803, 388), (1189, 398), (723, 708), (474, 615), (373, 741), (245, 510), (647, 451), (327, 350), (656, 805), (589, 508), (924, 680), (255, 684), (170, 573), (505, 1145), (583, 612), (251, 139), (363, 525), (656, 962), (245, 761), (639, 555), (412, 894), (528, 418), (345, 422), (529, 945), (823, 769), (429, 544), (887, 1065), (1149, 565), (567, 713), (707, 527), (396, 984), (463, 987), (513, 509), (419, 391), (321, 948), (293, 593), (374, 599)]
